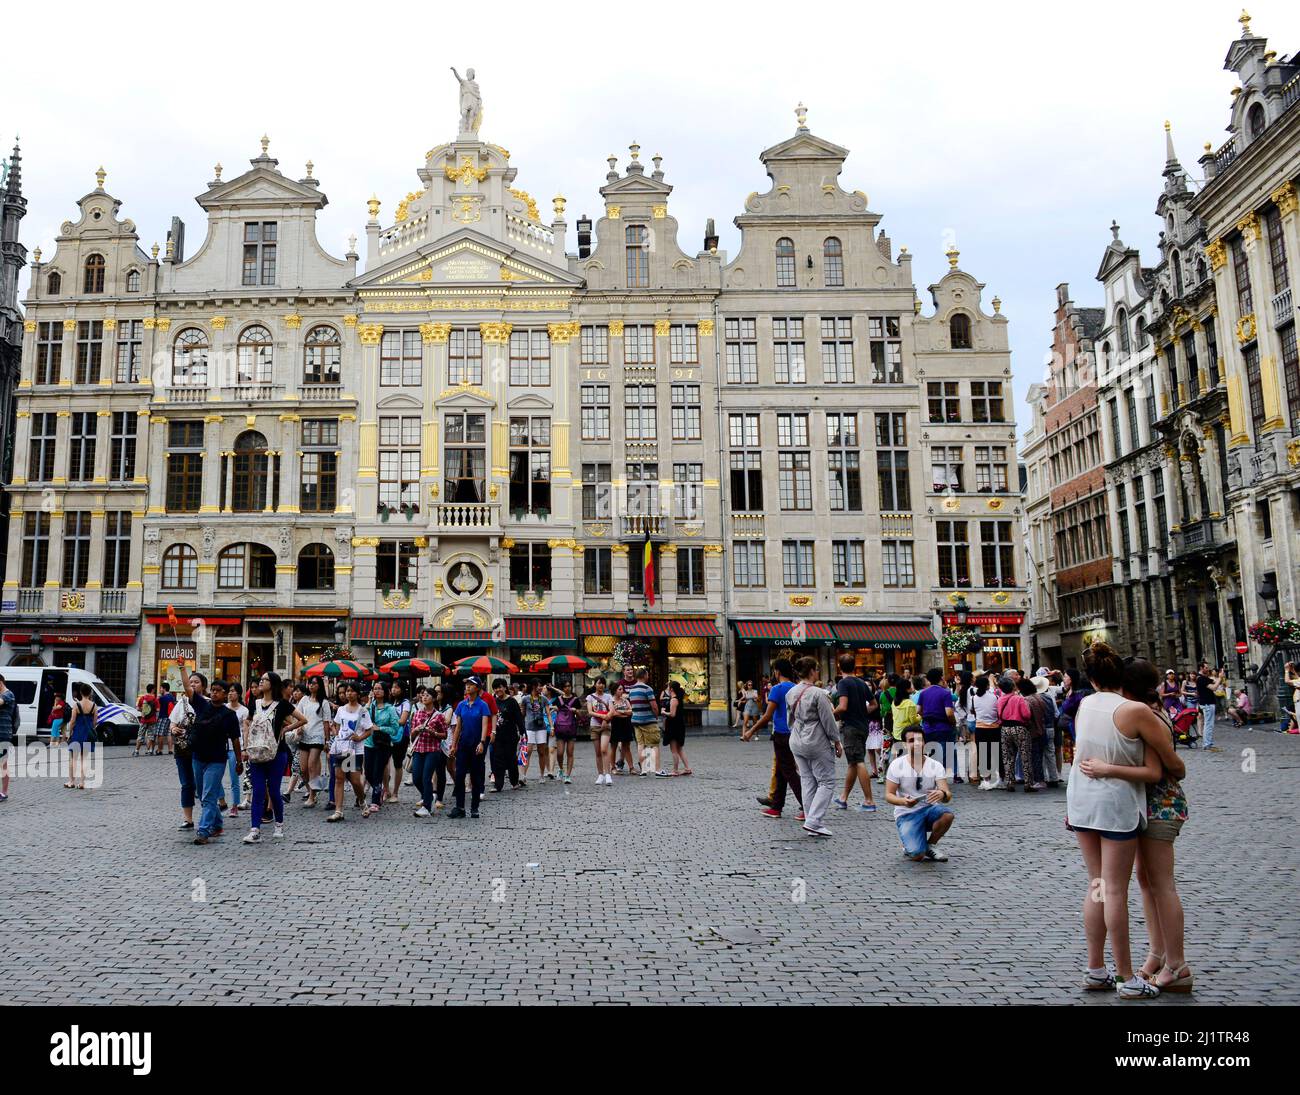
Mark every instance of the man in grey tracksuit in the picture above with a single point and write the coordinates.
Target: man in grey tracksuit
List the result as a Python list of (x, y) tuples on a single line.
[(815, 743)]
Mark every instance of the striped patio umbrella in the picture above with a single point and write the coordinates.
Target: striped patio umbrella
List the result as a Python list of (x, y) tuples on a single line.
[(339, 667), (563, 663), (485, 664), (426, 667)]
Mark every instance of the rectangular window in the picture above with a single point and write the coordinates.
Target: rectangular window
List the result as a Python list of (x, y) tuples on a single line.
[(49, 353), (997, 553), (260, 239), (639, 421), (530, 466), (90, 351), (643, 490), (788, 351), (1193, 366), (686, 412), (1277, 251), (320, 465), (40, 460), (746, 463), (848, 564), (688, 492), (121, 457), (991, 469), (130, 343), (594, 345), (843, 462), (595, 412), (1171, 363), (36, 549), (530, 358), (465, 356), (1114, 426), (797, 569), (690, 571), (465, 454), (748, 565), (1254, 386), (945, 403), (947, 468), (597, 570), (117, 549), (81, 446), (1290, 374), (401, 360), (184, 466), (892, 469), (683, 344), (837, 351), (986, 402), (638, 344), (954, 554), (396, 564), (1241, 275), (636, 570), (399, 460), (899, 565), (76, 549), (884, 333), (794, 466), (637, 240), (741, 350), (597, 492)]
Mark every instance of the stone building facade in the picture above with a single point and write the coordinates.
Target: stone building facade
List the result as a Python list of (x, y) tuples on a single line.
[(13, 257), (474, 444)]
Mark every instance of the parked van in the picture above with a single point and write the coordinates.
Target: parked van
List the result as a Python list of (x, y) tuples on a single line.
[(35, 686)]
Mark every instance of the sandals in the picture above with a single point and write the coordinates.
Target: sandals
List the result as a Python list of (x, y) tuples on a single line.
[(1181, 980), (1159, 960)]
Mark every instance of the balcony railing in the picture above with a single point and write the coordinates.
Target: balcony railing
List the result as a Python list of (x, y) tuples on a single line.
[(31, 600), (1207, 535), (252, 393), (112, 601), (638, 524), (321, 393), (896, 526), (190, 393), (747, 525), (468, 515), (1282, 310)]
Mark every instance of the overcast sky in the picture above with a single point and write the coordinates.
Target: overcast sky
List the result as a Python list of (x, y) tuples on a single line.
[(1018, 130)]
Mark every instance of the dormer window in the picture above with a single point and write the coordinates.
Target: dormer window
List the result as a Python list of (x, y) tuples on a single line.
[(959, 331), (785, 263), (1121, 323), (637, 240), (260, 238), (94, 274), (133, 281), (833, 262), (54, 284), (1255, 121)]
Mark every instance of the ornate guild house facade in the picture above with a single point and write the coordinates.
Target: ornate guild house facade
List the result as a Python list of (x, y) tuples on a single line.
[(477, 441)]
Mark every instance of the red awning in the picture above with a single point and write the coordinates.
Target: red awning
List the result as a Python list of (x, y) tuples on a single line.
[(386, 629), (183, 618), (530, 629), (893, 634), (788, 630), (652, 627), (73, 636)]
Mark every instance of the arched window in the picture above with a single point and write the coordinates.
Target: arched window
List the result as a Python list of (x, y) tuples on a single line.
[(1121, 325), (133, 281), (54, 284), (785, 263), (1255, 120), (321, 355), (94, 280), (190, 358), (180, 568), (250, 471), (1141, 330), (833, 261), (1201, 271), (256, 355), (1105, 357), (316, 568), (1176, 263), (959, 331), (246, 566), (637, 239)]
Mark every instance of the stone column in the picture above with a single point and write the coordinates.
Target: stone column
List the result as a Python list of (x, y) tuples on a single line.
[(1225, 293), (209, 501), (496, 342), (434, 337), (103, 446), (290, 464)]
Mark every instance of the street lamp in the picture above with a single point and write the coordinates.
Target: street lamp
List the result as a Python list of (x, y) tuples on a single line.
[(1268, 592), (35, 645), (340, 634), (962, 609), (629, 623)]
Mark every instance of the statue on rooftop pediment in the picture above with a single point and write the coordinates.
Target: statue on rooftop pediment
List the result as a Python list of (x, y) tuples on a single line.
[(471, 104)]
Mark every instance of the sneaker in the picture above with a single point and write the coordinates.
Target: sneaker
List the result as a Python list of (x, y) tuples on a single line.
[(234, 812), (817, 830), (568, 778), (1137, 989), (1093, 982), (337, 815), (279, 832), (474, 814), (609, 780), (422, 812), (455, 811), (799, 816), (881, 780), (661, 774), (550, 775), (254, 836), (600, 779), (184, 825), (438, 806), (867, 808), (764, 800), (931, 852), (840, 803), (771, 811), (200, 840)]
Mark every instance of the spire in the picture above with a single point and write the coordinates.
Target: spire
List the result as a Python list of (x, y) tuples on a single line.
[(1171, 157), (14, 176), (801, 116), (1244, 20), (1175, 176)]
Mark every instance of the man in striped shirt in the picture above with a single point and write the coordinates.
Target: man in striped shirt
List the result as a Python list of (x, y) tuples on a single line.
[(645, 721)]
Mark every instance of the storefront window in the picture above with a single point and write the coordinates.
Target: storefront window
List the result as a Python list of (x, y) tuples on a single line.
[(688, 663), (176, 661)]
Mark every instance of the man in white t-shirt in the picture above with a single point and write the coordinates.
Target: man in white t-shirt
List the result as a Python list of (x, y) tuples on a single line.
[(917, 787)]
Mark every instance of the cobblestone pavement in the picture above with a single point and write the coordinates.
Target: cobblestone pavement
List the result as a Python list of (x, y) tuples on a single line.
[(654, 890)]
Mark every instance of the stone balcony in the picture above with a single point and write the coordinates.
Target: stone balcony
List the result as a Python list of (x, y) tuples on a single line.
[(467, 516), (1200, 537)]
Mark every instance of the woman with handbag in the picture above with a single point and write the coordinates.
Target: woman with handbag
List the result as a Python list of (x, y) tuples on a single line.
[(565, 714), (402, 742), (347, 751), (385, 729), (428, 732), (316, 712), (267, 751)]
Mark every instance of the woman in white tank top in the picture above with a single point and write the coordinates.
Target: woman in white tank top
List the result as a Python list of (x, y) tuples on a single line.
[(1107, 813)]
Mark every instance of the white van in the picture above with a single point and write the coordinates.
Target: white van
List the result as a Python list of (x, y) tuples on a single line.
[(35, 686)]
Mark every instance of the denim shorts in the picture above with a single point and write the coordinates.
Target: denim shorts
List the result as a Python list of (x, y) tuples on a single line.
[(915, 827)]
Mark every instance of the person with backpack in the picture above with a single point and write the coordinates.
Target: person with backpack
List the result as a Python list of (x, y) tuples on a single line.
[(1046, 773), (211, 738), (504, 740), (815, 743), (317, 712), (147, 706), (385, 728), (272, 718), (1017, 741)]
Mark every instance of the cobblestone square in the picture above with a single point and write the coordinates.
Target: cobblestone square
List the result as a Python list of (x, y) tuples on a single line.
[(652, 891)]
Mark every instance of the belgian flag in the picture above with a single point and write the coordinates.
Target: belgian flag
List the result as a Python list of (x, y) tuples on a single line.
[(648, 568)]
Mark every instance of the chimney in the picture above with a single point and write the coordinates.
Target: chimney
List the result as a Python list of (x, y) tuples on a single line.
[(177, 236), (584, 236), (710, 235)]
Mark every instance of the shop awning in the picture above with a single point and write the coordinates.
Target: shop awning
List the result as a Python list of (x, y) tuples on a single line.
[(886, 636), (183, 618), (790, 631), (73, 636), (479, 640), (385, 629), (986, 619), (652, 627), (530, 629)]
